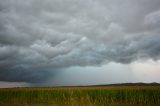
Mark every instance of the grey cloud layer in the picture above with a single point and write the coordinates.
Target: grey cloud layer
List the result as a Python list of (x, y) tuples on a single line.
[(38, 37)]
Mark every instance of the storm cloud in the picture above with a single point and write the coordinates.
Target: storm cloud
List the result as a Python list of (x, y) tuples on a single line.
[(40, 37)]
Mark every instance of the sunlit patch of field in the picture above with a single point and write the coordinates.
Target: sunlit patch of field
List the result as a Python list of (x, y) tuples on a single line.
[(82, 96)]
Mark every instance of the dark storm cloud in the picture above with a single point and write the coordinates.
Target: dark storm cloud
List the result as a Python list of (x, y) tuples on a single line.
[(38, 38)]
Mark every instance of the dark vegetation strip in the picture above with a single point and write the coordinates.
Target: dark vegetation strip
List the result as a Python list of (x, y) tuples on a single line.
[(86, 96)]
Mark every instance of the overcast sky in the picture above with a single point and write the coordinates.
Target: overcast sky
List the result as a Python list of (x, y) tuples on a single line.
[(79, 42)]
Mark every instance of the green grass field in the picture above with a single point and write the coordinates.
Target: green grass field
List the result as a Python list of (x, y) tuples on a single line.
[(82, 96)]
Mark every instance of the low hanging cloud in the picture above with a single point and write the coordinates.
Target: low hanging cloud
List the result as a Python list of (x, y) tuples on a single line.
[(38, 38)]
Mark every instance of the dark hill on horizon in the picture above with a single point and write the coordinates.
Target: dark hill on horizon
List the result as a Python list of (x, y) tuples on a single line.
[(131, 84)]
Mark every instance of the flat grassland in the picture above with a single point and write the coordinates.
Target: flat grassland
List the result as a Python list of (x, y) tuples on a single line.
[(82, 96)]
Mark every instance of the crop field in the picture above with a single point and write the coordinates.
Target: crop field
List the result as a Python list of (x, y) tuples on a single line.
[(82, 96)]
